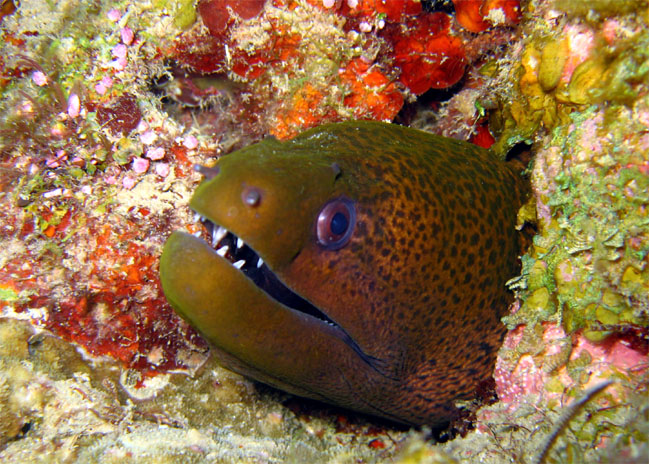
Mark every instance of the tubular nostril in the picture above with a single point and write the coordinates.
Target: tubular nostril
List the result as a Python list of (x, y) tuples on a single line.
[(208, 172), (251, 196)]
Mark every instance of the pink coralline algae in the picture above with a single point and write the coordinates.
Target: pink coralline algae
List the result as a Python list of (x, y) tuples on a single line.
[(162, 169), (128, 182), (104, 85), (156, 153), (127, 35), (148, 137), (190, 142), (114, 15), (140, 165), (74, 105), (580, 42), (522, 376), (39, 78)]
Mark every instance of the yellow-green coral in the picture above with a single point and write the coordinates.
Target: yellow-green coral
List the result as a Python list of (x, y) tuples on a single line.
[(566, 66), (587, 267), (588, 264), (185, 15), (582, 101)]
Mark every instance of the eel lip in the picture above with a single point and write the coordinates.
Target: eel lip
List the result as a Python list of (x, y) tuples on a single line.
[(240, 255)]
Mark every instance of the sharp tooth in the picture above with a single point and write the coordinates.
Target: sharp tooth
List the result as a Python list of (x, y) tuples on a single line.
[(197, 217), (217, 234), (222, 251), (197, 234), (239, 264), (260, 263), (239, 243)]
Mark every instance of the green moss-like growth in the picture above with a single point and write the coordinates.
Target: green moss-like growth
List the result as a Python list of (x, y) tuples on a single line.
[(185, 15), (585, 278), (628, 69), (587, 268)]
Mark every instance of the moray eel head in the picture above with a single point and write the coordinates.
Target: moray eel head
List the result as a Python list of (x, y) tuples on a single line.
[(361, 264)]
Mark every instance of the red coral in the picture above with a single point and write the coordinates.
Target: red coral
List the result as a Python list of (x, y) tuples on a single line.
[(204, 54), (182, 163), (394, 10), (416, 48), (218, 14), (427, 54), (302, 111), (475, 15), (112, 304), (373, 95), (109, 319), (8, 7), (482, 137), (122, 116), (58, 228), (376, 444)]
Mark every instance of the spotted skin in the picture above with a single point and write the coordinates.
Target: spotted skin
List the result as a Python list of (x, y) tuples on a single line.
[(419, 289)]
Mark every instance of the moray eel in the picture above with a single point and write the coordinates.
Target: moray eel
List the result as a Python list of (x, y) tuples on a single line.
[(362, 264)]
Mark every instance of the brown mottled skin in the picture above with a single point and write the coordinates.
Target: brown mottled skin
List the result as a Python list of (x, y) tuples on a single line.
[(416, 295)]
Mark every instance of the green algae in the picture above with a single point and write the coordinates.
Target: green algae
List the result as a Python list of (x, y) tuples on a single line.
[(629, 68), (588, 263), (587, 266), (185, 15), (8, 295)]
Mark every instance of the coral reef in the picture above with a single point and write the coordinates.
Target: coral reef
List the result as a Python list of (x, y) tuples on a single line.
[(104, 108), (575, 89), (306, 63), (585, 281), (56, 404)]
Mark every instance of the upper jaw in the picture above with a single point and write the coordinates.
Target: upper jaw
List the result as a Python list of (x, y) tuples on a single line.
[(229, 246)]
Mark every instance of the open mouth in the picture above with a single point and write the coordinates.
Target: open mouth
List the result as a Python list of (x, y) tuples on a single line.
[(246, 260)]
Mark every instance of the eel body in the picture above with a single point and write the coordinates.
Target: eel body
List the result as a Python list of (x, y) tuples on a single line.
[(362, 264)]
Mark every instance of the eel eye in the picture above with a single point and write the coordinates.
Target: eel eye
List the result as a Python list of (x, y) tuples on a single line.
[(336, 224)]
